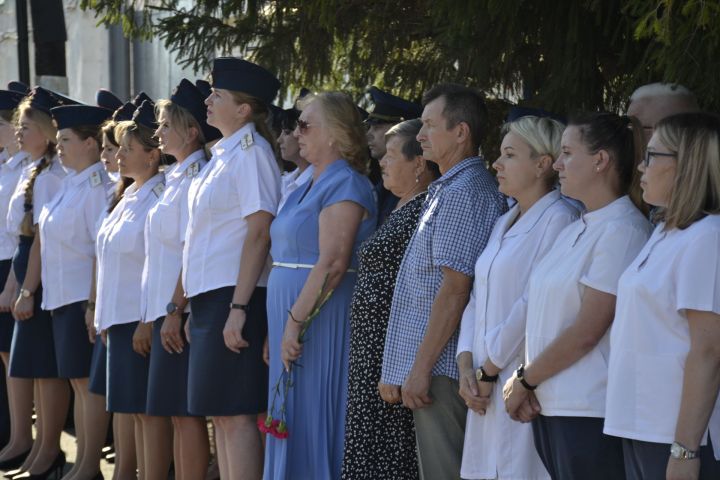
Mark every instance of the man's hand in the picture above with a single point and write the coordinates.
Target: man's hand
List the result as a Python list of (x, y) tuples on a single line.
[(416, 390), (390, 393)]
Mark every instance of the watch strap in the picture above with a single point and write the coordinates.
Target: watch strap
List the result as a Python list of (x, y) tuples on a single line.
[(238, 306), (520, 374), (482, 376)]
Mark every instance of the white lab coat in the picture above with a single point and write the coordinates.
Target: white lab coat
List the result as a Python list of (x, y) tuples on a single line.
[(493, 325)]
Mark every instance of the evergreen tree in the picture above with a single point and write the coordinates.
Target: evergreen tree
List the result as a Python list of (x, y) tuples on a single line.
[(562, 55)]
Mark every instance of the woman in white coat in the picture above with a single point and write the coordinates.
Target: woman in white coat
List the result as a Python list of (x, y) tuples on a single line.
[(493, 326), (665, 343)]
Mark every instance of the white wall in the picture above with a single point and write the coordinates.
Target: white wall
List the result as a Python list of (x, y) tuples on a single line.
[(87, 57)]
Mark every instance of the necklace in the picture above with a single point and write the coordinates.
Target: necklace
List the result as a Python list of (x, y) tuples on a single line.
[(402, 201)]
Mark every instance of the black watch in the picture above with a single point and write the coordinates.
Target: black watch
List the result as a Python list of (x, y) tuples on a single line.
[(238, 306), (172, 308), (482, 376), (520, 374)]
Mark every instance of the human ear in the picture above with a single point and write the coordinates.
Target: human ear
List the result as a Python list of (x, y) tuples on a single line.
[(601, 160)]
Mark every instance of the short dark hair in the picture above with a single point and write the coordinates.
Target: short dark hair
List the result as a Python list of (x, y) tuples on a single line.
[(462, 104)]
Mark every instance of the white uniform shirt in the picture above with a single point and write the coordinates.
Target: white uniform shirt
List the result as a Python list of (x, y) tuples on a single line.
[(47, 185), (493, 325), (241, 178), (10, 174), (676, 271), (68, 229), (16, 208), (591, 252), (165, 235), (291, 181), (120, 252)]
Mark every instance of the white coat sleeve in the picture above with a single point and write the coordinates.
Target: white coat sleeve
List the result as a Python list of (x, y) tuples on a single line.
[(467, 327)]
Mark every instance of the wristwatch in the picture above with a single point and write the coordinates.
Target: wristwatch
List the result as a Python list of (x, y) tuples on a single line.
[(172, 308), (25, 293), (678, 451), (520, 374), (482, 376), (238, 306)]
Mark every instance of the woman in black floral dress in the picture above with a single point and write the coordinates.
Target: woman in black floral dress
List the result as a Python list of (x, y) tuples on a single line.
[(379, 436)]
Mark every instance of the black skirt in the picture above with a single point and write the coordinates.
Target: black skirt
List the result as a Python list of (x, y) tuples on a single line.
[(127, 371), (167, 380), (221, 382), (7, 322), (32, 351), (73, 350), (98, 368)]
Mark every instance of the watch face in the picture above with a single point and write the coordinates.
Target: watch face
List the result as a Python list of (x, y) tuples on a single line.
[(171, 307), (675, 450)]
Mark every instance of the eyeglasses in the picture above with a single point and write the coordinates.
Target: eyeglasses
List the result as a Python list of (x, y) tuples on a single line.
[(649, 154), (303, 126)]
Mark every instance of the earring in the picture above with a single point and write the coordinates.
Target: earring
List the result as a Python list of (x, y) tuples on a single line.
[(417, 178), (597, 169)]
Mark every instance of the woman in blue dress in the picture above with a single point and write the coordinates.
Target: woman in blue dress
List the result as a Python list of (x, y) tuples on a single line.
[(314, 240)]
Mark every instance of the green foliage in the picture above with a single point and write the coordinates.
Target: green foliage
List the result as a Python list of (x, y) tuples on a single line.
[(562, 55), (684, 44)]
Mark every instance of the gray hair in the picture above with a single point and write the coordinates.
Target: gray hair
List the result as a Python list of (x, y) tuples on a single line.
[(658, 89)]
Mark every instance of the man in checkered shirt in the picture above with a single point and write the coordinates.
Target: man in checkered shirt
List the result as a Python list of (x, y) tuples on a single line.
[(435, 278)]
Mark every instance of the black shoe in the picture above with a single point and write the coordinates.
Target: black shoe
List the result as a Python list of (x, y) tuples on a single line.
[(14, 462), (55, 470), (13, 473)]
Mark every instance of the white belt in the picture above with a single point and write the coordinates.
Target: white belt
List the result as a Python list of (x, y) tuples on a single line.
[(301, 265)]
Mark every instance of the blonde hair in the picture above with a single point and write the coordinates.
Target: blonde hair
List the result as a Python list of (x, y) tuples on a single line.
[(47, 128), (541, 134), (180, 118), (260, 115), (695, 139), (343, 121), (142, 134)]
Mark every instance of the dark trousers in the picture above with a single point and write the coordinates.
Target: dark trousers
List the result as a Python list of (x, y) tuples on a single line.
[(573, 448), (648, 460)]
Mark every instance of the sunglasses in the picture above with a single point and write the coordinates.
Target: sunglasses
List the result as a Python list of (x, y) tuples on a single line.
[(649, 155), (303, 126)]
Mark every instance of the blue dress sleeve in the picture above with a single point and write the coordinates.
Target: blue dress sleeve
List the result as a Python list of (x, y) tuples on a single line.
[(348, 185)]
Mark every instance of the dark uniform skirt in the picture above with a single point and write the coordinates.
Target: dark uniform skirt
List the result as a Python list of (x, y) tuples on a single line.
[(221, 382), (127, 371), (32, 352), (73, 350), (98, 368), (167, 380), (7, 322)]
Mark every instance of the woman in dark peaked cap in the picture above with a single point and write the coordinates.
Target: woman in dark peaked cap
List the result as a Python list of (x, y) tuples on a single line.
[(182, 132), (68, 227), (225, 264), (120, 258), (14, 164), (32, 354)]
